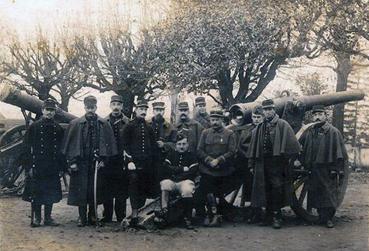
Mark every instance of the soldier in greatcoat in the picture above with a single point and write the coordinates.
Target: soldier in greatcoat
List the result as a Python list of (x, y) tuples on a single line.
[(188, 126), (273, 143), (88, 144), (201, 114), (116, 180), (324, 156), (45, 164)]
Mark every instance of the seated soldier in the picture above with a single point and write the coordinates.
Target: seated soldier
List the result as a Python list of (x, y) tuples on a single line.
[(177, 176)]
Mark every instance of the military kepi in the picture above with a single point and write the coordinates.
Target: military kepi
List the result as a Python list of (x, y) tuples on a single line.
[(116, 98), (216, 113), (200, 101), (90, 100), (49, 104), (142, 103), (183, 105), (318, 108), (268, 103), (158, 105)]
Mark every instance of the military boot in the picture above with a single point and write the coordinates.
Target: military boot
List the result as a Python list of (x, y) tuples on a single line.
[(277, 220), (82, 220), (36, 222), (48, 220)]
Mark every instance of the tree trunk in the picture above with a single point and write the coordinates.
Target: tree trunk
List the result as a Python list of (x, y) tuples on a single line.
[(128, 102), (343, 70), (173, 105), (64, 103)]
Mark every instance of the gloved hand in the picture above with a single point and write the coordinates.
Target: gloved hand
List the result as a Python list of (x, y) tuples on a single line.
[(252, 171), (73, 168), (30, 173), (214, 163), (100, 165), (333, 174), (186, 169), (131, 166)]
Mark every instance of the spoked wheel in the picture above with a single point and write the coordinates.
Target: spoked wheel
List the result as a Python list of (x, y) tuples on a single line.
[(11, 154), (300, 203), (300, 187)]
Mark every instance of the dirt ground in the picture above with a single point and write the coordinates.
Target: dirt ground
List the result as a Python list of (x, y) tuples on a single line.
[(351, 231)]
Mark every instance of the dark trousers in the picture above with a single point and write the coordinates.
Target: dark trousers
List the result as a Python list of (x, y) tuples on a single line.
[(47, 211), (274, 183), (138, 186), (118, 204), (83, 214), (326, 213), (212, 187)]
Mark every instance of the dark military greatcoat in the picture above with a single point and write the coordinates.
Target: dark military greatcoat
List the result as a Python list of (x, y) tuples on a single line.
[(83, 137), (193, 130), (43, 142), (163, 131), (204, 119), (323, 151)]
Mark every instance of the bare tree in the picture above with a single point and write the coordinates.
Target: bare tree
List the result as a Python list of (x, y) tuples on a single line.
[(42, 68), (116, 63)]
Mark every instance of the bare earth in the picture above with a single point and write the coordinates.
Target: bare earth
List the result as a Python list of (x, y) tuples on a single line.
[(351, 232)]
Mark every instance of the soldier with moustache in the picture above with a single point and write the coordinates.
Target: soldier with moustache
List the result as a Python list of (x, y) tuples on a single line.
[(216, 150), (140, 147), (201, 115), (273, 143), (164, 134), (188, 126), (45, 164), (324, 156), (116, 174), (88, 144)]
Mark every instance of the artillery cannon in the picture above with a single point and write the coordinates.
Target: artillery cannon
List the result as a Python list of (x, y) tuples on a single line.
[(293, 109), (290, 108), (11, 141)]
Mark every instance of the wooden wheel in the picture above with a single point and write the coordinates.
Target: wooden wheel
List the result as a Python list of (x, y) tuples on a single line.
[(11, 154), (300, 187)]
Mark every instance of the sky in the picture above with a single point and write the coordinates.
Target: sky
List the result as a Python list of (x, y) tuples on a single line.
[(24, 16)]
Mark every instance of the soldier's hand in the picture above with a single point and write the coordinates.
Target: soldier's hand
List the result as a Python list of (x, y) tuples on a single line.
[(186, 168), (73, 167), (30, 173), (100, 165), (333, 174), (297, 163), (160, 143), (131, 166), (214, 163), (252, 170)]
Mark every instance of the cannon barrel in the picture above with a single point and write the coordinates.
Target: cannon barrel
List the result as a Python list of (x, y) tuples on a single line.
[(13, 96), (245, 109)]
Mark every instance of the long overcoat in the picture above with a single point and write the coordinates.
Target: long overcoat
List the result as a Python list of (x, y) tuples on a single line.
[(80, 181)]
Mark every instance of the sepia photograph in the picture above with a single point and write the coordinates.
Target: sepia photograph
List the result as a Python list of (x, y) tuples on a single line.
[(192, 125)]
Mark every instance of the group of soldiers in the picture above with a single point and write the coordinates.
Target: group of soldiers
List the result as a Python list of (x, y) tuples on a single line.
[(197, 161)]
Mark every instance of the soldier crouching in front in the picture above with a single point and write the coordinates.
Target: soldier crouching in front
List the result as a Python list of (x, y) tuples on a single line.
[(43, 142), (177, 176), (216, 149), (139, 145), (88, 144)]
